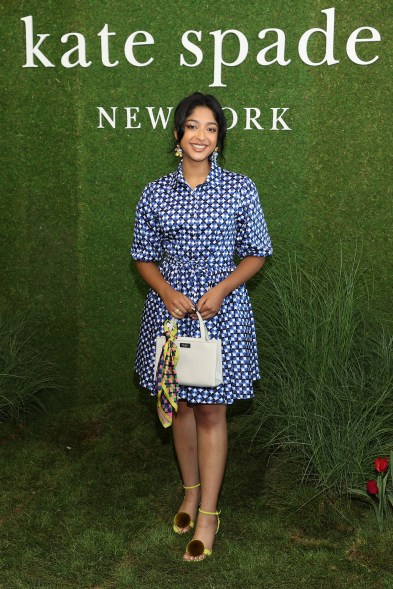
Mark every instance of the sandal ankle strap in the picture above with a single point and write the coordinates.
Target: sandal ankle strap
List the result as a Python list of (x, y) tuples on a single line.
[(191, 486), (217, 513)]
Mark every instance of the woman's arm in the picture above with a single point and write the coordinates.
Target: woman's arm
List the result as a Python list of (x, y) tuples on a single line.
[(172, 299), (210, 303)]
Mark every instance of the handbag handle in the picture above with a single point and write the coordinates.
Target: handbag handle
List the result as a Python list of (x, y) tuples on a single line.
[(202, 326)]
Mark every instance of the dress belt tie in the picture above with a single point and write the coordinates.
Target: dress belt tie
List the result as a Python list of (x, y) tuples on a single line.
[(201, 265), (195, 269)]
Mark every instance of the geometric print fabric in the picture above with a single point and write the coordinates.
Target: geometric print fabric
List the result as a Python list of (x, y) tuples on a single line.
[(194, 235)]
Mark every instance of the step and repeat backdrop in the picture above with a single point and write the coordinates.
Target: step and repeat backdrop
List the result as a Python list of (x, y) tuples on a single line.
[(88, 92)]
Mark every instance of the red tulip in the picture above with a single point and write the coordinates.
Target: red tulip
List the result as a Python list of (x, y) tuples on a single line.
[(381, 464), (372, 487)]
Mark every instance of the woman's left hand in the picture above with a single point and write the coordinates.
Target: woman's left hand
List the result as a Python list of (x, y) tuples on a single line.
[(210, 303)]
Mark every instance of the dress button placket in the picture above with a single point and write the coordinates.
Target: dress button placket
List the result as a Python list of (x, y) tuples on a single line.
[(193, 244)]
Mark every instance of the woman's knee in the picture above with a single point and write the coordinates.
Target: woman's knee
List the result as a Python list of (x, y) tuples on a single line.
[(210, 415), (183, 410)]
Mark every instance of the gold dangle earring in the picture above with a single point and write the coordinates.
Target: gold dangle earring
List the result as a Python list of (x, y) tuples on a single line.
[(215, 154), (178, 151)]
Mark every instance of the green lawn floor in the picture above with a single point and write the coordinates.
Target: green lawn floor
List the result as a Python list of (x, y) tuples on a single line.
[(88, 497)]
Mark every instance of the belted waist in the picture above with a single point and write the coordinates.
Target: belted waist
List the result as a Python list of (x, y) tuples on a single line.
[(211, 266)]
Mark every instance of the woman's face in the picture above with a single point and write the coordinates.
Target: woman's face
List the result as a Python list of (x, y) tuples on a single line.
[(200, 134)]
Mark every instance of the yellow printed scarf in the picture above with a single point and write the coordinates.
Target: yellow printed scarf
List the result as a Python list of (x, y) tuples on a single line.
[(166, 385)]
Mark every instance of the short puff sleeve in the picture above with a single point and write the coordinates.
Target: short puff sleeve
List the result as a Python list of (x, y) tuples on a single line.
[(252, 237), (147, 244)]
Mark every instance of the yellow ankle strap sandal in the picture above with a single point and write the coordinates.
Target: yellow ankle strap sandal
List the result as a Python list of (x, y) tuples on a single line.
[(182, 519), (196, 548)]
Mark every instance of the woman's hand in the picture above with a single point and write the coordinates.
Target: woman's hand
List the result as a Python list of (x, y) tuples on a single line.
[(177, 304), (210, 303)]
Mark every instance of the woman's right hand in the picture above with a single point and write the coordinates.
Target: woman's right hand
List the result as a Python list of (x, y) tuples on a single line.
[(177, 304)]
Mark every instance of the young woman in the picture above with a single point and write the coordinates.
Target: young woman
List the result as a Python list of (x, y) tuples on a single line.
[(193, 221)]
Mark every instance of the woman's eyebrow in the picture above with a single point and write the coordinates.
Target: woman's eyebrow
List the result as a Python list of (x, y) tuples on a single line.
[(196, 121)]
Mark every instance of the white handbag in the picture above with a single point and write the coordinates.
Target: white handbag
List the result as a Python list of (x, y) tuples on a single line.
[(200, 362)]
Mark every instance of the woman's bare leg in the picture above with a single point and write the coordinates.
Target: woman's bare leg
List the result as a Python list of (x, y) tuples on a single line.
[(211, 430), (185, 441)]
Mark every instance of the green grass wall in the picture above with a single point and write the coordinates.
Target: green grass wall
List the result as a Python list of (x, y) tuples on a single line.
[(69, 189)]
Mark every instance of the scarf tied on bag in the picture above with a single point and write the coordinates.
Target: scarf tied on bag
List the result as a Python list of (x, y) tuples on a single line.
[(166, 385)]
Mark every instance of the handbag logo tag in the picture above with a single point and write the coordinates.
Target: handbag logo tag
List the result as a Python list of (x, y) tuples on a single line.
[(185, 345)]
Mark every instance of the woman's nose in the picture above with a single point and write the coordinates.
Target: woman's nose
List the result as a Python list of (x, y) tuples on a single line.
[(201, 134)]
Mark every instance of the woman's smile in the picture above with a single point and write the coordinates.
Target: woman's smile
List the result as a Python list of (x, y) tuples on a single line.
[(198, 147)]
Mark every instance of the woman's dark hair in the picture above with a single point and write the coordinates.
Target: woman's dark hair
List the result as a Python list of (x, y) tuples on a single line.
[(188, 104)]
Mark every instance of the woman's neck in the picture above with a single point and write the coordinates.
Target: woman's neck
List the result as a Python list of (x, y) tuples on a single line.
[(195, 173)]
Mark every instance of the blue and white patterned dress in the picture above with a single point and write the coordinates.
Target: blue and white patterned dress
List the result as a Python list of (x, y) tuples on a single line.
[(194, 234)]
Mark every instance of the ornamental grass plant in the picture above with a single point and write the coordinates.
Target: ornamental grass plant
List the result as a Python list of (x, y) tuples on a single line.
[(327, 382), (25, 373)]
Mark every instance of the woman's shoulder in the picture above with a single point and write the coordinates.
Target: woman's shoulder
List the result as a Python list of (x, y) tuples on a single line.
[(161, 182), (237, 179)]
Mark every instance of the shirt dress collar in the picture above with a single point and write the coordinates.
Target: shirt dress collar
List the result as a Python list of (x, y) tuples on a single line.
[(212, 178)]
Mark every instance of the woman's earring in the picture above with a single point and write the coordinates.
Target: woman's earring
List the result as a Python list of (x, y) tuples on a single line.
[(178, 151), (215, 154)]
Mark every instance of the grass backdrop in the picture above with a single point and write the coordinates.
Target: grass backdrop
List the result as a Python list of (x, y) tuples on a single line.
[(70, 189), (79, 487)]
